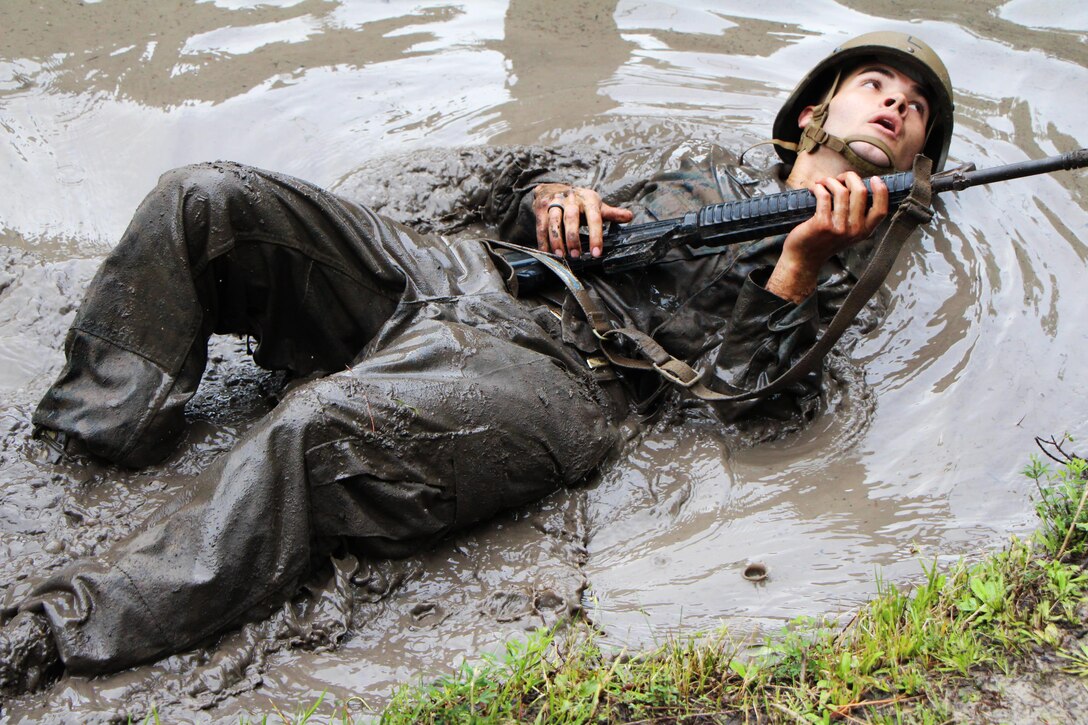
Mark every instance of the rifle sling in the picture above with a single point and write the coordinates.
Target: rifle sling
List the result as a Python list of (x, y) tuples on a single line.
[(914, 210)]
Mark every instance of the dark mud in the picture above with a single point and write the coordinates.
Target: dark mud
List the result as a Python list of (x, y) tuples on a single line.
[(916, 456)]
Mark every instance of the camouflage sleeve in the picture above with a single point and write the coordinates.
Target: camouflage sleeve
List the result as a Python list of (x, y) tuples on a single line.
[(766, 335)]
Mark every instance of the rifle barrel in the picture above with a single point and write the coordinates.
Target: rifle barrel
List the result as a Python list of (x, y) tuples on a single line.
[(959, 180)]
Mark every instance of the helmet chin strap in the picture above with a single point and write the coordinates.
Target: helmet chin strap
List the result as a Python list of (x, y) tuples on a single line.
[(814, 136)]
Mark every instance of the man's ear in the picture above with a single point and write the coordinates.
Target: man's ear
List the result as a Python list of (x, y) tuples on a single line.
[(805, 117)]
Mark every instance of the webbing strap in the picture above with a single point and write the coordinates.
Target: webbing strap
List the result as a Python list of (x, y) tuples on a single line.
[(813, 136), (914, 210)]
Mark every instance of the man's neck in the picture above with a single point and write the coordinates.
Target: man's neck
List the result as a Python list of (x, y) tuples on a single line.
[(811, 167)]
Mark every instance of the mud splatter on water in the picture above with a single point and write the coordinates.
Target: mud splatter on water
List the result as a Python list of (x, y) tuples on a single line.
[(396, 104)]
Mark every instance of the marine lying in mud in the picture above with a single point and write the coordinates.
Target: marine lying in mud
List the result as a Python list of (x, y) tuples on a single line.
[(436, 396)]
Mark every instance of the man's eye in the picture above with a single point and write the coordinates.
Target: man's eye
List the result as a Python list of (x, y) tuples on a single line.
[(871, 82), (918, 106)]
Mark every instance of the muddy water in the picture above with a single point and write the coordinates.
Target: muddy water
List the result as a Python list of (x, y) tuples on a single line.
[(917, 457)]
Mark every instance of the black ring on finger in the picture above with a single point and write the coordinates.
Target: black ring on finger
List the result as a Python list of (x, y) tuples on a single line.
[(556, 205)]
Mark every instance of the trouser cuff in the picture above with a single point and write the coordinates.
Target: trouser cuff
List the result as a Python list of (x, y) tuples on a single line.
[(118, 404)]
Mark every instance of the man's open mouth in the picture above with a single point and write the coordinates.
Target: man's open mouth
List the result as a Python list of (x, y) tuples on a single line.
[(887, 123)]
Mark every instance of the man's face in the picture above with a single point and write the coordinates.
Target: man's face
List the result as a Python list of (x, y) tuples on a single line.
[(877, 100)]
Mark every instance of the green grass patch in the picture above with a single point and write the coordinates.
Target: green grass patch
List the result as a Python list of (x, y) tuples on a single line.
[(889, 664)]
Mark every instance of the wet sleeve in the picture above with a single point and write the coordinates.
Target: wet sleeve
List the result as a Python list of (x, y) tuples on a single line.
[(765, 336)]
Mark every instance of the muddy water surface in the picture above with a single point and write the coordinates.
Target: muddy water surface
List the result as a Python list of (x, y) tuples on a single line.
[(916, 457)]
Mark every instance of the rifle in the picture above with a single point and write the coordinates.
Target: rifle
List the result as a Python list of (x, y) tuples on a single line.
[(633, 246)]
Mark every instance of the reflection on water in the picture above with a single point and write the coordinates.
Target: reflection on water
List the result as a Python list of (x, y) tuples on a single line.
[(980, 349), (560, 60)]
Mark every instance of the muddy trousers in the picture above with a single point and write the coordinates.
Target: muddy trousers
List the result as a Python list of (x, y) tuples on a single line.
[(453, 401)]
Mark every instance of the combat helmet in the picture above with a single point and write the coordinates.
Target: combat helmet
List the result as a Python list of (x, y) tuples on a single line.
[(899, 50)]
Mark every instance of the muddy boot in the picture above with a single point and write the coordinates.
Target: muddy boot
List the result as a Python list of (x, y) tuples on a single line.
[(28, 655), (58, 447)]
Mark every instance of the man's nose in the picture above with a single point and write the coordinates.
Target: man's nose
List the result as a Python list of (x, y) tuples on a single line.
[(898, 101)]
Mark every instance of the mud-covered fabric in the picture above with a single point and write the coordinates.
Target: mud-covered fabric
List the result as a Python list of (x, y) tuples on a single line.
[(709, 309), (453, 401)]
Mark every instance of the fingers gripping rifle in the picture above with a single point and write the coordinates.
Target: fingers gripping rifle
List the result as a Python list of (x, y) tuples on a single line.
[(633, 246)]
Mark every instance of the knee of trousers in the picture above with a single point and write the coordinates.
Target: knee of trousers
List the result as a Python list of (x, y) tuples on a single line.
[(216, 200), (220, 184), (358, 482), (213, 178)]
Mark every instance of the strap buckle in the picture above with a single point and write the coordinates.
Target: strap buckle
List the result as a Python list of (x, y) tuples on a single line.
[(920, 213), (676, 379), (596, 362)]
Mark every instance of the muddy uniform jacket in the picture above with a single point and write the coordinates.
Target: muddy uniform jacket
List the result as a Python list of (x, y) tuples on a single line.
[(709, 309), (449, 399)]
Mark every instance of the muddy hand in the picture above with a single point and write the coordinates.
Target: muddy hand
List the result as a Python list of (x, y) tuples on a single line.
[(560, 210)]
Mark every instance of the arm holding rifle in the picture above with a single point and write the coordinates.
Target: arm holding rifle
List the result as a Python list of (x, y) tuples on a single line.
[(842, 218), (560, 210), (759, 334)]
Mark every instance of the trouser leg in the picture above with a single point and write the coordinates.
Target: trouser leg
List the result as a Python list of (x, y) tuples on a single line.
[(237, 534), (217, 248), (438, 430)]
